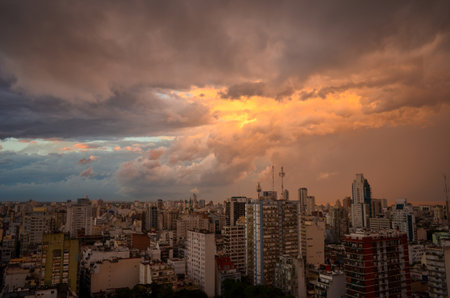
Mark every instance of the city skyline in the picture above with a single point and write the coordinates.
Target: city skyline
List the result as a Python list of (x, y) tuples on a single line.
[(146, 101)]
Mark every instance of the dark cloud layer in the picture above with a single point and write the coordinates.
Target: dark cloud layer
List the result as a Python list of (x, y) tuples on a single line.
[(91, 50), (134, 113)]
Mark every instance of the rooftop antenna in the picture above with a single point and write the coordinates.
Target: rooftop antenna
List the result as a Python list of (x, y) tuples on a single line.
[(282, 174), (273, 178), (446, 199)]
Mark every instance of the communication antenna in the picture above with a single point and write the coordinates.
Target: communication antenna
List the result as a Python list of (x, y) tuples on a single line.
[(273, 178), (258, 189), (282, 174)]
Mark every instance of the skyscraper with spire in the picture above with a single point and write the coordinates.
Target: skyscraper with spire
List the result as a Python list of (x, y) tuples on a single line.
[(361, 202)]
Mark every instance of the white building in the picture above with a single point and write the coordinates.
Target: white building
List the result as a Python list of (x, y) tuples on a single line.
[(201, 249), (403, 219), (35, 225), (79, 217)]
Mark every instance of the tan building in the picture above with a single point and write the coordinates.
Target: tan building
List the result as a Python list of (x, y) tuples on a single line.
[(110, 275), (315, 241)]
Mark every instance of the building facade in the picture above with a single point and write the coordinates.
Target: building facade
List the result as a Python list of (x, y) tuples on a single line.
[(377, 264), (272, 230), (201, 249), (59, 261)]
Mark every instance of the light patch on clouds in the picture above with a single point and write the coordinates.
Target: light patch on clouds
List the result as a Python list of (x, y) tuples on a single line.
[(85, 161), (87, 173)]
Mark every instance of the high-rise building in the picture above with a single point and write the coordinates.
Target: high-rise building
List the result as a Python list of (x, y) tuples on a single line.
[(310, 204), (194, 221), (234, 244), (59, 260), (272, 230), (35, 225), (201, 249), (79, 217), (377, 264), (302, 195), (339, 223), (403, 219), (361, 202), (151, 218), (234, 209), (377, 207)]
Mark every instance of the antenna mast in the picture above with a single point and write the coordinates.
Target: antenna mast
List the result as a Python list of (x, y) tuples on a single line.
[(282, 174), (273, 178), (258, 190)]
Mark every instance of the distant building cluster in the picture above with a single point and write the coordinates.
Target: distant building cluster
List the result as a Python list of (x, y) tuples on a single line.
[(360, 247)]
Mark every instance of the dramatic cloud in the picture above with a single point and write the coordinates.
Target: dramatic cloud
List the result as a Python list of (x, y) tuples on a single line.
[(234, 86)]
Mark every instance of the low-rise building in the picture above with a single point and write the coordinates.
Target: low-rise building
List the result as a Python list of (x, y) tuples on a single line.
[(330, 285), (107, 276), (157, 272), (225, 269)]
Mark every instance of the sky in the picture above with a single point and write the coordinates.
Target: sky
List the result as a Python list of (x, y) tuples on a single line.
[(146, 100)]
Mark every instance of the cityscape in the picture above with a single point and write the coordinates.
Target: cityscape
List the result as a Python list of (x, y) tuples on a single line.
[(359, 247), (210, 148)]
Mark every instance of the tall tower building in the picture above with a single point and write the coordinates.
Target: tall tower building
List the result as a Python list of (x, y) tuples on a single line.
[(79, 218), (361, 202), (377, 264), (302, 195), (272, 230), (201, 249)]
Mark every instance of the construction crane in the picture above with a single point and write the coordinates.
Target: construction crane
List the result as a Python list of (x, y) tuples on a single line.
[(273, 178)]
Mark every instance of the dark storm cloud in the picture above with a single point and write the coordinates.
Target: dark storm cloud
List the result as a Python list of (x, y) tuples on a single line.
[(135, 113), (244, 89), (90, 50)]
